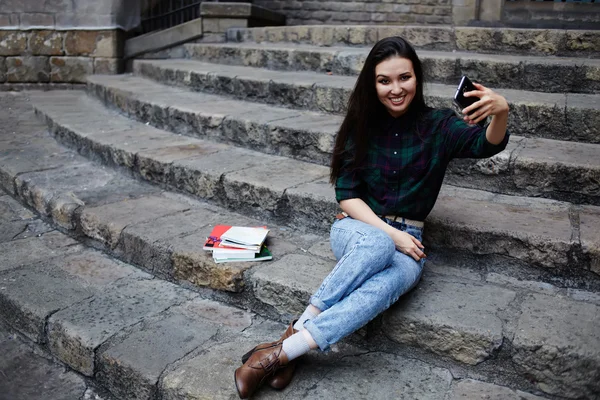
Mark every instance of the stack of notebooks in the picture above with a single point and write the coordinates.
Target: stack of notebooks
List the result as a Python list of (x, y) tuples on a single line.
[(238, 243)]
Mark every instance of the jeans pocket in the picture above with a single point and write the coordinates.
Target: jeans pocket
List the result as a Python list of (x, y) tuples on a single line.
[(343, 235)]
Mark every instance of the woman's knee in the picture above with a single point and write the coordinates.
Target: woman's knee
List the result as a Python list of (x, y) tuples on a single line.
[(381, 241), (405, 277)]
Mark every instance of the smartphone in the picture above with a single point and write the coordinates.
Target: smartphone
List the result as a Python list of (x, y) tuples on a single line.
[(460, 100)]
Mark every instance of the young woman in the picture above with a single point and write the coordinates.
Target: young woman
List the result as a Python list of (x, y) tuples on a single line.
[(389, 160)]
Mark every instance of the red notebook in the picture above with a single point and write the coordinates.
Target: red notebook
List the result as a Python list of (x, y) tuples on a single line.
[(215, 236)]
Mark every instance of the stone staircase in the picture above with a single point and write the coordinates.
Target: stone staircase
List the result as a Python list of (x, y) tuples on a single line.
[(242, 133)]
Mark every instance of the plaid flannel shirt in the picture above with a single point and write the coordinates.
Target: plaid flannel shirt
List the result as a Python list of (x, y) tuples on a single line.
[(403, 170)]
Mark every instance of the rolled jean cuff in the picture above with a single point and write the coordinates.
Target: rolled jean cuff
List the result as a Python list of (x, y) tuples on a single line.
[(317, 335), (315, 301)]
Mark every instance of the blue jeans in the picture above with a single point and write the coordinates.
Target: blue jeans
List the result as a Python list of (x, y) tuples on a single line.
[(369, 277)]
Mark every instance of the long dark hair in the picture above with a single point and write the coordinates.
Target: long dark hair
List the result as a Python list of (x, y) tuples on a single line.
[(364, 108)]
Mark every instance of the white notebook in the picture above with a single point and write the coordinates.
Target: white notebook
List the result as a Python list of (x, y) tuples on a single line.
[(246, 235)]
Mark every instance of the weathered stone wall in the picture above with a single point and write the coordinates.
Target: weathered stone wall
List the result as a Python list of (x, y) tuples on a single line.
[(62, 41), (301, 12), (51, 56), (66, 14), (552, 15)]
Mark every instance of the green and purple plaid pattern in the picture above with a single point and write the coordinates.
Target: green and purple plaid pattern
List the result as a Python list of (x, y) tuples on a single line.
[(404, 170)]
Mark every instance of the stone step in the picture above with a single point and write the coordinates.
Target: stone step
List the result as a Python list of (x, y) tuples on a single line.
[(571, 116), (535, 73), (24, 369), (138, 338), (141, 337), (538, 42), (540, 232), (566, 171)]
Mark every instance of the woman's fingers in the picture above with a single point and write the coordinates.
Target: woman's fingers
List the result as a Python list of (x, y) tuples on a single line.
[(480, 114), (417, 242), (414, 255), (418, 249)]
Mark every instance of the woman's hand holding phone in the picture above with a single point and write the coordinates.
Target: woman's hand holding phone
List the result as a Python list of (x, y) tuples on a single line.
[(489, 103)]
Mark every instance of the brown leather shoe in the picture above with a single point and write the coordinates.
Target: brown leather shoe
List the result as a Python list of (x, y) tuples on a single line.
[(261, 365), (283, 377)]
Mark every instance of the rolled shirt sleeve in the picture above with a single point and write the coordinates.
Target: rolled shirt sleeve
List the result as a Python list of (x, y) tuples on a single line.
[(349, 183), (468, 141)]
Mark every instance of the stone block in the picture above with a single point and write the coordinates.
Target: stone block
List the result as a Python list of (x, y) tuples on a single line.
[(147, 244), (277, 34), (530, 118), (93, 43), (46, 43), (160, 165), (472, 389), (311, 200), (460, 320), (324, 35), (556, 343), (19, 356), (107, 66), (131, 367), (193, 264), (202, 175), (288, 283), (441, 69), (349, 375), (74, 185), (11, 210), (33, 293), (331, 99), (37, 159), (545, 166), (70, 69), (222, 25), (298, 34), (476, 39), (85, 20), (36, 20), (162, 39), (362, 35), (28, 69), (2, 69), (494, 73), (5, 20), (590, 235), (225, 10), (464, 13), (262, 190), (13, 43), (581, 121), (533, 41), (582, 41), (32, 250), (76, 332), (514, 220), (105, 223)]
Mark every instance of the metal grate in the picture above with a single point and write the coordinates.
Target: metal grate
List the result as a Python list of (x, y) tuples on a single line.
[(163, 14)]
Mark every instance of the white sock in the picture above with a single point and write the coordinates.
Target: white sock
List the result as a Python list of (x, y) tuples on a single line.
[(295, 346), (306, 315)]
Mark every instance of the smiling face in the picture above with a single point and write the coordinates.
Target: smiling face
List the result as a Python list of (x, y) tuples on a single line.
[(396, 84)]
